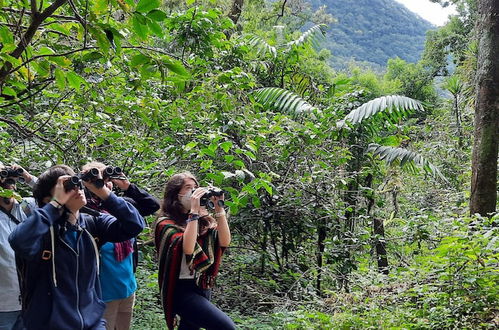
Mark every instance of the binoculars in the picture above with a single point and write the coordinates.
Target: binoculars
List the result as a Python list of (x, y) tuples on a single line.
[(72, 183), (12, 173), (92, 176), (205, 199), (112, 172)]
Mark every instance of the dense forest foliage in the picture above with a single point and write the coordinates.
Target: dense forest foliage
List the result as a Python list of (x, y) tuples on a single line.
[(348, 190), (371, 31)]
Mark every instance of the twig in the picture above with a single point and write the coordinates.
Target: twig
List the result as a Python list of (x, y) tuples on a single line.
[(27, 97)]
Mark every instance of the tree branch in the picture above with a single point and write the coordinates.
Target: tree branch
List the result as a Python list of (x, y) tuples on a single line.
[(16, 11), (34, 10), (28, 133), (25, 98), (37, 19)]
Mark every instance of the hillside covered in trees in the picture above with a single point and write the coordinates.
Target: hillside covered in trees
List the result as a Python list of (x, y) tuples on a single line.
[(358, 199), (373, 31)]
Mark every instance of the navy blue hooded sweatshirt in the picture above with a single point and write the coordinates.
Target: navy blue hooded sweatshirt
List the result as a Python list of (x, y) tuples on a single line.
[(63, 290)]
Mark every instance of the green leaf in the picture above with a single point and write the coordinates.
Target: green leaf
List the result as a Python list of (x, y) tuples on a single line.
[(92, 56), (6, 39), (101, 38), (75, 80), (226, 146), (100, 6), (155, 28), (157, 15), (405, 158), (45, 51), (140, 29), (9, 91), (145, 6), (391, 106), (8, 58), (256, 201), (139, 59), (282, 100), (190, 145), (60, 79), (176, 66)]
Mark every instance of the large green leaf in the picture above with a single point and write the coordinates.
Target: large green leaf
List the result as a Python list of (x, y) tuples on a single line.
[(282, 100), (393, 107), (405, 158), (145, 6)]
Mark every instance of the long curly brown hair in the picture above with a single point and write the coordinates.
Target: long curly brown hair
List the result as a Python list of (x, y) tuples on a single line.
[(171, 206)]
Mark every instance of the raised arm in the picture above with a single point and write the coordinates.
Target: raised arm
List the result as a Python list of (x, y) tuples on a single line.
[(123, 222), (145, 203)]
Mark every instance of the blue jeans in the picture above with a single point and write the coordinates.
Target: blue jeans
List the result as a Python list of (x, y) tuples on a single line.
[(196, 311), (11, 321)]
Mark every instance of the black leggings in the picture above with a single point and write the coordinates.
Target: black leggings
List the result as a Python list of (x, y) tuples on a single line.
[(196, 311)]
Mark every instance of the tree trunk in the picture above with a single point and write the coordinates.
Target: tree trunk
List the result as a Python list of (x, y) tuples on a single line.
[(379, 244), (458, 121), (235, 11), (321, 237), (485, 146)]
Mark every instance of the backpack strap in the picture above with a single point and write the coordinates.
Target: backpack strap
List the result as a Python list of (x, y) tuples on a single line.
[(11, 217)]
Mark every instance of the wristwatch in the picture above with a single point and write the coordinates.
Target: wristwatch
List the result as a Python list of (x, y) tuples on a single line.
[(192, 217)]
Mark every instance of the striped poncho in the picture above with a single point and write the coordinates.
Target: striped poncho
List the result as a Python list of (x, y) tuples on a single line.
[(205, 261)]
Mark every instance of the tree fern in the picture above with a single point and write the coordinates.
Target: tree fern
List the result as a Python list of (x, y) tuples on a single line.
[(282, 100), (405, 158), (392, 107)]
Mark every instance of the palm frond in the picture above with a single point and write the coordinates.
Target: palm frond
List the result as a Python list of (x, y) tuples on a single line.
[(282, 100), (314, 35), (392, 107), (405, 158), (454, 85), (261, 46)]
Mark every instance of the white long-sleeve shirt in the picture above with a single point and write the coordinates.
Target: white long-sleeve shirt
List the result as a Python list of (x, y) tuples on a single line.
[(9, 284)]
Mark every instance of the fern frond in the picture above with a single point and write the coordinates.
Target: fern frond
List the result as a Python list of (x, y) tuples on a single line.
[(282, 100), (405, 158), (261, 46), (392, 107), (314, 35)]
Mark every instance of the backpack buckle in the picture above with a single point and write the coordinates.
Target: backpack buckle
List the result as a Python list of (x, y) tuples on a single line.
[(46, 254)]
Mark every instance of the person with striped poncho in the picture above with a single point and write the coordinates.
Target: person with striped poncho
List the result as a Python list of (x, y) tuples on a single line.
[(190, 243)]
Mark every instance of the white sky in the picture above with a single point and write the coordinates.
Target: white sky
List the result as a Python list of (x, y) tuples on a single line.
[(432, 12)]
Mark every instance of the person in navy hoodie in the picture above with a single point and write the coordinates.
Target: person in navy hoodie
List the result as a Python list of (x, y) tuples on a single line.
[(58, 253)]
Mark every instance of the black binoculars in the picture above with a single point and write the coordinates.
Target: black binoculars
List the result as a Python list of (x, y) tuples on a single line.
[(113, 172), (72, 183), (9, 172), (92, 176), (205, 199)]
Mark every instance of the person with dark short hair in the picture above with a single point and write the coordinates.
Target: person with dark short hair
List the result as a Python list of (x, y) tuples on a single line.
[(58, 257)]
